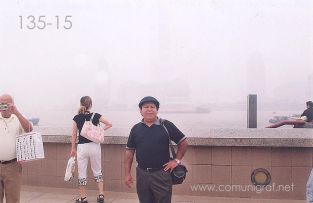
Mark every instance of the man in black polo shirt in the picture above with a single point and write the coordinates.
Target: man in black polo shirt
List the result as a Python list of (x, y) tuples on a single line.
[(150, 141)]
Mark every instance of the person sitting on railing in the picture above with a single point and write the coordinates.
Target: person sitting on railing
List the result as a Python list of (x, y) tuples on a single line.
[(304, 121), (307, 114)]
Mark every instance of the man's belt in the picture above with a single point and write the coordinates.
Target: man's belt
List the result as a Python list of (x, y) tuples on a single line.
[(150, 169), (9, 161)]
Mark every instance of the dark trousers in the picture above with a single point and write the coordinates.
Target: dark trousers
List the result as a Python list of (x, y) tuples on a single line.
[(154, 187)]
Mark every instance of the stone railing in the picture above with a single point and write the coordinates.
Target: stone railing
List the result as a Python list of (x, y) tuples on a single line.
[(219, 160)]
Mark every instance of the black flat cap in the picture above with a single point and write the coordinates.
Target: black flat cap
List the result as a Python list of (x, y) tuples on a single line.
[(149, 99)]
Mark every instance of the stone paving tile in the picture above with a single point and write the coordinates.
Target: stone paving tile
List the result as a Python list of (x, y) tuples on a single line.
[(28, 195), (32, 194)]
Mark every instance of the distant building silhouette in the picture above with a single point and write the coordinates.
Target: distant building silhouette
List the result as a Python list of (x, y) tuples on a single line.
[(256, 81)]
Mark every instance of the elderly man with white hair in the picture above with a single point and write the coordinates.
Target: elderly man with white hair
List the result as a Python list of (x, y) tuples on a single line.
[(12, 123)]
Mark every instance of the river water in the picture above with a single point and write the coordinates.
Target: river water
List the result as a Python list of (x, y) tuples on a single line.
[(126, 119)]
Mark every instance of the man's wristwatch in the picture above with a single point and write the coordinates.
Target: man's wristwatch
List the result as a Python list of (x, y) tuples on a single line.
[(178, 161)]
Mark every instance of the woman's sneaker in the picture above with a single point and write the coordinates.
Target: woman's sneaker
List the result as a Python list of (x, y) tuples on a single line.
[(82, 200), (100, 199)]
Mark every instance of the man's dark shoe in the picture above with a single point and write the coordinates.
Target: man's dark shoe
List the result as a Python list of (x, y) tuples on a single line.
[(82, 200), (100, 199)]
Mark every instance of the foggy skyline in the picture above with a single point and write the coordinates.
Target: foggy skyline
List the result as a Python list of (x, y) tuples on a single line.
[(208, 51)]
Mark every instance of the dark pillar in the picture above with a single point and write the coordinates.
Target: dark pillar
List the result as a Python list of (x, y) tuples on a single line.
[(252, 111)]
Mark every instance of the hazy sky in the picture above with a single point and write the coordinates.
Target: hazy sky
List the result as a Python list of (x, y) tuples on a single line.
[(120, 50)]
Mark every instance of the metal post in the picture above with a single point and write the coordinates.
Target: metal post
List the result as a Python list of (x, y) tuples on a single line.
[(252, 111)]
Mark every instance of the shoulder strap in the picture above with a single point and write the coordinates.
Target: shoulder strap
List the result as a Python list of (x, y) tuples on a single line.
[(169, 138), (92, 115)]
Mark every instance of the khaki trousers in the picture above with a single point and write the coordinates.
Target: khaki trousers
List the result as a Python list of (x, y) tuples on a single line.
[(10, 182)]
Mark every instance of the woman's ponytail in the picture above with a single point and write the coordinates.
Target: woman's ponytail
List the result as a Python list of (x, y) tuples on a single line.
[(85, 104)]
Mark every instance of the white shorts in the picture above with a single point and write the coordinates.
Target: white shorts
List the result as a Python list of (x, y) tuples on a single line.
[(85, 152)]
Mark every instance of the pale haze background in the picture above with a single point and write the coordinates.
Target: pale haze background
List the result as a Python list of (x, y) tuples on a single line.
[(210, 53)]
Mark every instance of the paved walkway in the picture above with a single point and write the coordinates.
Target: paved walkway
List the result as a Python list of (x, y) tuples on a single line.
[(31, 194)]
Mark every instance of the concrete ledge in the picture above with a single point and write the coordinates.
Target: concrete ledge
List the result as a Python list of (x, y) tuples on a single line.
[(207, 137)]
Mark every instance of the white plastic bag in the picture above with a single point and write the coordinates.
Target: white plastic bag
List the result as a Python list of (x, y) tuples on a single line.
[(70, 169)]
